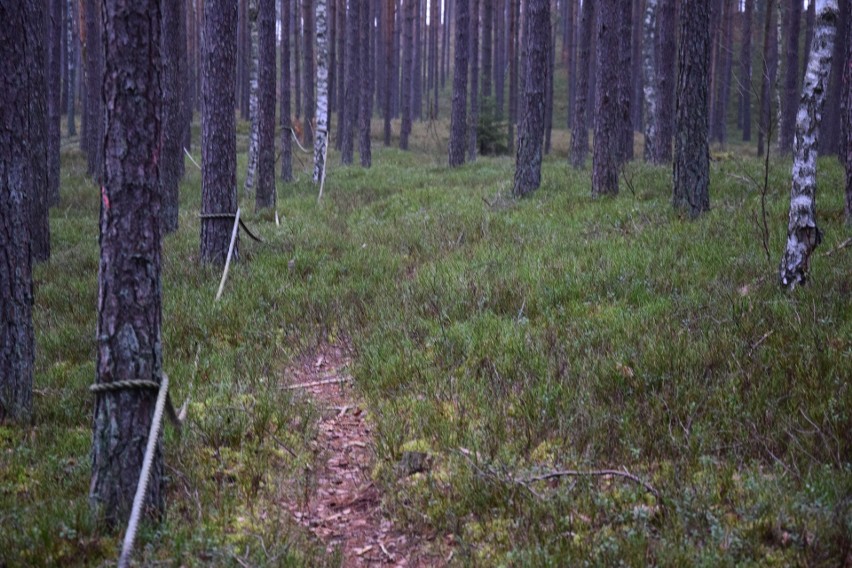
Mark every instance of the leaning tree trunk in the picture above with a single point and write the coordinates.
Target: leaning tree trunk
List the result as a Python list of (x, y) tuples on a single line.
[(254, 114), (218, 129), (579, 124), (605, 158), (650, 82), (366, 100), (458, 121), (692, 151), (531, 130), (129, 345), (17, 342), (171, 119), (321, 139), (803, 235), (265, 194), (286, 133)]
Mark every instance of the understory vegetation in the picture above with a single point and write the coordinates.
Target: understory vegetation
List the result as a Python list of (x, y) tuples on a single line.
[(506, 339)]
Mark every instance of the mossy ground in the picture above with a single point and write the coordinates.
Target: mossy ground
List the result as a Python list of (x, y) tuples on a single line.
[(505, 338)]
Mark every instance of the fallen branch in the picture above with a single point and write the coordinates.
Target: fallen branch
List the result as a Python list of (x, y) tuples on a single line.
[(319, 383), (839, 247), (591, 473)]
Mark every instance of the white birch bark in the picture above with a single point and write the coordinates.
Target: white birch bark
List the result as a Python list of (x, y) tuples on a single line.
[(650, 82), (254, 135), (803, 235), (321, 138)]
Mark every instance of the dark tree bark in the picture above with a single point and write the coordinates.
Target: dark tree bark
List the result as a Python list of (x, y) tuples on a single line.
[(54, 98), (243, 59), (434, 64), (791, 77), (458, 121), (770, 67), (407, 72), (474, 80), (531, 130), (190, 93), (218, 129), (185, 95), (265, 195), (548, 99), (637, 79), (608, 139), (625, 85), (500, 58), (398, 47), (720, 112), (129, 342), (286, 134), (829, 143), (353, 86), (847, 120), (366, 77), (94, 79), (579, 124), (809, 35), (667, 68), (72, 58), (17, 340), (692, 153), (745, 71), (390, 78), (487, 45), (296, 25), (308, 68), (172, 116), (417, 70), (569, 50), (38, 139), (514, 25), (445, 41), (341, 72)]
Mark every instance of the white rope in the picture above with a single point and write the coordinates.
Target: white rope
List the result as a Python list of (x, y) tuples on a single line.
[(293, 132), (144, 475), (230, 253), (324, 165), (185, 151)]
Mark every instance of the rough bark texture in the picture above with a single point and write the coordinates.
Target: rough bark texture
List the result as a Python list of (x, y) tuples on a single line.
[(218, 128), (745, 71), (605, 158), (803, 235), (286, 134), (531, 130), (514, 25), (625, 84), (94, 79), (831, 134), (725, 63), (390, 9), (434, 78), (637, 82), (474, 80), (569, 50), (366, 77), (72, 58), (692, 153), (650, 83), (579, 124), (487, 43), (791, 77), (37, 139), (172, 116), (770, 67), (342, 38), (321, 139), (847, 120), (17, 342), (458, 121), (352, 84), (129, 346), (308, 67), (265, 195), (417, 67), (296, 25), (407, 72), (54, 98), (254, 113), (666, 64)]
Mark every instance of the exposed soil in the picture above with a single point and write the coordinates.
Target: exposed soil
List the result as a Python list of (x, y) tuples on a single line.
[(344, 509)]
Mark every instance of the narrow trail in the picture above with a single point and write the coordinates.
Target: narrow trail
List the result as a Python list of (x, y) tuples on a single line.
[(344, 508)]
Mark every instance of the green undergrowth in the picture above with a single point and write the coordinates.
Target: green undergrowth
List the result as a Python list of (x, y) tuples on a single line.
[(506, 339)]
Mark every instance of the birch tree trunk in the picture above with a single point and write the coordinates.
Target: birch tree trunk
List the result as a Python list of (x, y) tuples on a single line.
[(321, 138), (803, 235), (650, 83), (254, 117)]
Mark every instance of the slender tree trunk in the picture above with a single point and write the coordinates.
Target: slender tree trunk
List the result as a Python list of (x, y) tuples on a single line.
[(548, 99), (829, 143), (531, 129), (770, 59), (487, 45), (390, 79), (650, 83), (72, 58), (366, 76), (353, 86), (847, 120), (745, 71), (94, 79), (54, 98), (637, 81), (398, 48), (569, 50), (608, 139), (218, 129), (243, 59), (254, 113), (17, 339), (809, 35), (38, 139), (500, 58), (171, 123), (341, 72), (286, 133), (579, 124), (191, 94), (129, 344), (265, 195), (417, 70), (434, 79), (445, 41), (331, 6), (321, 140), (474, 80), (692, 153), (625, 85), (458, 121), (667, 68), (308, 67), (803, 235), (407, 71), (514, 25), (297, 58), (725, 69), (791, 77), (184, 75)]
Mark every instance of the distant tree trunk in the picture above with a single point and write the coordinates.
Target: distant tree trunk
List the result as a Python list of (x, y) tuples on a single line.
[(625, 85), (725, 68), (129, 343), (666, 64), (171, 123), (745, 71), (531, 130), (54, 98), (17, 340), (265, 195), (243, 59), (514, 7), (71, 58), (548, 98), (809, 35), (366, 75), (38, 139), (286, 133), (417, 70), (487, 44), (434, 64), (341, 71), (829, 143), (297, 58), (352, 84), (791, 78), (254, 114), (190, 93), (500, 58), (458, 121), (770, 60), (445, 41), (474, 80), (308, 67), (692, 153), (847, 120), (398, 48), (650, 83), (94, 78), (637, 81), (608, 139), (321, 140), (803, 235), (579, 124), (407, 71), (185, 95), (569, 56), (218, 129)]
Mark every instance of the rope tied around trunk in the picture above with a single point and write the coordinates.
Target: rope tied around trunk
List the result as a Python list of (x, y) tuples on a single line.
[(231, 216)]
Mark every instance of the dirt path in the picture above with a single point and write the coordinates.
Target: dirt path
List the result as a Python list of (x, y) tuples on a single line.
[(345, 508)]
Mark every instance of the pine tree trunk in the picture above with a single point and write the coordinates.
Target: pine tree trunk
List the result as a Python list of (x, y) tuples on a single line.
[(417, 70), (254, 114), (172, 128), (625, 86), (129, 345), (286, 132), (243, 58), (474, 80), (548, 99), (308, 68), (458, 121), (725, 68), (666, 64), (637, 82), (745, 71), (579, 124), (847, 121), (218, 129), (366, 77), (17, 340), (38, 140), (650, 83), (569, 50), (829, 143), (487, 45), (341, 72), (94, 79), (531, 129), (500, 58), (608, 119), (434, 79), (791, 77), (407, 71), (72, 58), (353, 86), (321, 140), (54, 98), (692, 153), (514, 25), (390, 78), (265, 195), (296, 24), (191, 94), (770, 60), (803, 235)]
